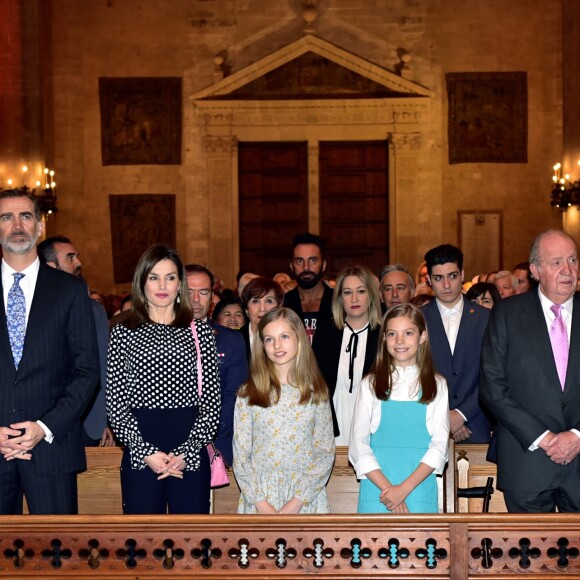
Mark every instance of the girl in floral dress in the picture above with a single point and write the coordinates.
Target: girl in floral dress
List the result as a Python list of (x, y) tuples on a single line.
[(283, 434)]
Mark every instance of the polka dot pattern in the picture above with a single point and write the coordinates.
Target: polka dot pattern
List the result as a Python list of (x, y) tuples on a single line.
[(155, 366)]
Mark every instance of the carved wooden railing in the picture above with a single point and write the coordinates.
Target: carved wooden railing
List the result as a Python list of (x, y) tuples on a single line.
[(454, 546)]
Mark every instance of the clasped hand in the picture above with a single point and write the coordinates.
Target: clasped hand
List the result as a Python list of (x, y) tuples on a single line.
[(561, 448), (18, 440), (166, 464), (393, 498)]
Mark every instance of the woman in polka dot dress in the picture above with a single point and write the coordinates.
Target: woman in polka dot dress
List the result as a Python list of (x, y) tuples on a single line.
[(152, 397)]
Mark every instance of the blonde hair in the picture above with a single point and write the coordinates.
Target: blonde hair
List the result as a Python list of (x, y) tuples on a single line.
[(263, 386), (371, 284)]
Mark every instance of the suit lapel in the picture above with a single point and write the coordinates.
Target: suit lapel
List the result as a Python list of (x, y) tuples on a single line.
[(468, 319), (39, 309), (534, 324), (437, 334), (5, 350), (573, 361)]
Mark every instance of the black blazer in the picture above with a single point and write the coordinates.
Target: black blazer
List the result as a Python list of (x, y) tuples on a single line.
[(326, 345), (520, 386), (58, 373)]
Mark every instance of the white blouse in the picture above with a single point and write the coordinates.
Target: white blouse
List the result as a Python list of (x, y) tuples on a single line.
[(367, 417), (343, 400)]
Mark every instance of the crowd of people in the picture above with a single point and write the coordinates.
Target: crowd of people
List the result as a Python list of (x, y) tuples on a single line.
[(279, 371)]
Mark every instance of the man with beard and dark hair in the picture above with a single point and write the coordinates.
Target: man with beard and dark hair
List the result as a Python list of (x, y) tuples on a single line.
[(312, 298), (50, 368), (58, 252)]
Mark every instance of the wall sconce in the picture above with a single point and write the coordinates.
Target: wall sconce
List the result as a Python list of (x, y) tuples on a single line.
[(565, 192), (44, 189)]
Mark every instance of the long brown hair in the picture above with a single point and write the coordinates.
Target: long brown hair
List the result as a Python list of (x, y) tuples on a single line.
[(263, 386), (381, 375), (140, 307)]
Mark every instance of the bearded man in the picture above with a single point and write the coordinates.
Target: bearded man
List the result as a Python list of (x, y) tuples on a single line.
[(50, 368), (312, 298)]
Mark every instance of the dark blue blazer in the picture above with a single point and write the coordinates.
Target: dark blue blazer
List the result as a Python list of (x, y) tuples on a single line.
[(95, 415), (461, 369), (233, 369), (58, 372)]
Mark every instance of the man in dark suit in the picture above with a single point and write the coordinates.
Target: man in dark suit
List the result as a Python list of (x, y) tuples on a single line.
[(531, 385), (456, 328), (231, 349), (58, 252), (49, 362)]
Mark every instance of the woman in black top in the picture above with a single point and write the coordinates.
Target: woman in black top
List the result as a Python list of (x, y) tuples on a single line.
[(346, 346), (152, 393)]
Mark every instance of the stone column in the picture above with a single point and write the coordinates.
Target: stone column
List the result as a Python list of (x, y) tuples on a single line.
[(223, 243), (403, 168)]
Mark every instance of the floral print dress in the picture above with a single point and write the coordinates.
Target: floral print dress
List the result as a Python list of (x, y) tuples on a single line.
[(283, 451)]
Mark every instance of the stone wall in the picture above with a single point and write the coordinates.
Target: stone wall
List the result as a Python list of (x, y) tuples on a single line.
[(116, 38)]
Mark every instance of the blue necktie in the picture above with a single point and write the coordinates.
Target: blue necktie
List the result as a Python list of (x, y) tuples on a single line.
[(16, 318)]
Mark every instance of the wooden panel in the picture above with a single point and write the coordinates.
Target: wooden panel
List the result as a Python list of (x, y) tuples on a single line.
[(100, 485), (354, 203), (449, 546), (273, 186)]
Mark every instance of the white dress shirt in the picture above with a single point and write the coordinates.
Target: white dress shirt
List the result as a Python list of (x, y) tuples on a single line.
[(28, 285), (566, 314), (451, 318), (367, 418)]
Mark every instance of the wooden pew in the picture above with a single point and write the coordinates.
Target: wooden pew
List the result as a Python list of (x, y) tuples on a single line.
[(100, 485)]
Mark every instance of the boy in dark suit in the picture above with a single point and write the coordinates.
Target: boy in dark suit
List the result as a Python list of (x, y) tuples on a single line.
[(456, 328)]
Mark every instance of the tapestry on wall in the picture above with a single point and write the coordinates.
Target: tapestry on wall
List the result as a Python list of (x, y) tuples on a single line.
[(140, 121), (138, 222), (488, 117)]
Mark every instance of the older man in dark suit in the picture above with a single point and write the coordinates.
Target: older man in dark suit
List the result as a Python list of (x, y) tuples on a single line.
[(49, 362), (530, 381)]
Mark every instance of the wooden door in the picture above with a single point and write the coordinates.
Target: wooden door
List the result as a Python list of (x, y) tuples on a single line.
[(354, 203), (273, 186)]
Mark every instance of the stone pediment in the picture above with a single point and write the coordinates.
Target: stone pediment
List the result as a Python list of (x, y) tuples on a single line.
[(311, 68)]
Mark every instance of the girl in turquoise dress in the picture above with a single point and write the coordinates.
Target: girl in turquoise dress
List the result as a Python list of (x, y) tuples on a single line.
[(283, 434), (400, 428)]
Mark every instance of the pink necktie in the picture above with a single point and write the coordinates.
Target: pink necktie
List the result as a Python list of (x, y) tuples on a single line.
[(559, 340)]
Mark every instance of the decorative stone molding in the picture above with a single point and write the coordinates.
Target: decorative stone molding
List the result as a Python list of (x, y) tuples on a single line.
[(311, 43), (405, 141), (213, 144)]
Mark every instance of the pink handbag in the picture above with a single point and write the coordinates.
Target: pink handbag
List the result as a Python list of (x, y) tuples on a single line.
[(219, 474)]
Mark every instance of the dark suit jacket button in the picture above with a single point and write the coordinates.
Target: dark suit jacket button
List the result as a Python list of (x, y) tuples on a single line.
[(12, 411), (564, 406), (455, 374), (455, 396), (16, 384)]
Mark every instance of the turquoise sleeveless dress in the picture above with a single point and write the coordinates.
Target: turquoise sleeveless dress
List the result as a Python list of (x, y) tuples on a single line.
[(399, 444)]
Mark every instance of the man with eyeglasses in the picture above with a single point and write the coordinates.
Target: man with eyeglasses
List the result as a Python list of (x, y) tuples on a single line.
[(312, 298)]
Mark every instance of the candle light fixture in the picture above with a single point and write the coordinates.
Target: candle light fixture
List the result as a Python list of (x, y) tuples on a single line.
[(43, 189), (565, 191)]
